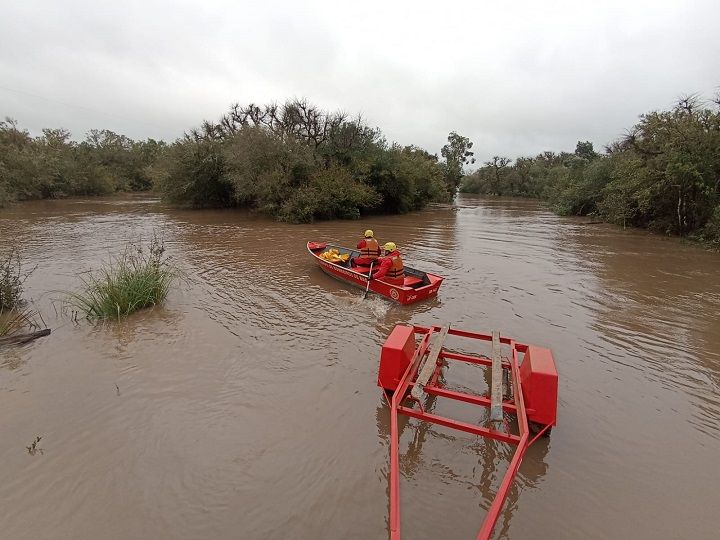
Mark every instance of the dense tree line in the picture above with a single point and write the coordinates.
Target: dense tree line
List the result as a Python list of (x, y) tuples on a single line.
[(663, 175), (293, 161), (53, 165), (299, 163)]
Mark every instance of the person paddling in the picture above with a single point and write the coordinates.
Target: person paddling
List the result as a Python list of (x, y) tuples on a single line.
[(390, 268), (369, 250)]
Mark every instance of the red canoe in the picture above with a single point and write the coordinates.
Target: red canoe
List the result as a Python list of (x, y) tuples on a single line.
[(418, 285)]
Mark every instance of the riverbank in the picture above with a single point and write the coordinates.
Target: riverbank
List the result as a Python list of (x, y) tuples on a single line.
[(711, 244), (662, 176)]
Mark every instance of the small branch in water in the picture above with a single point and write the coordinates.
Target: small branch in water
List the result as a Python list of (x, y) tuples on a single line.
[(33, 448)]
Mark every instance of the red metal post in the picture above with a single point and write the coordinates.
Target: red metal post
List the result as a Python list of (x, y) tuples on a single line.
[(397, 398)]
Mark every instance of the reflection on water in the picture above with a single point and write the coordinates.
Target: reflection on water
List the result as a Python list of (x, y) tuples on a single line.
[(246, 405)]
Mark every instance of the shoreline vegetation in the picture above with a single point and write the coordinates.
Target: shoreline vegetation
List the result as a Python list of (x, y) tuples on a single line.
[(663, 175), (298, 163), (294, 162), (53, 166)]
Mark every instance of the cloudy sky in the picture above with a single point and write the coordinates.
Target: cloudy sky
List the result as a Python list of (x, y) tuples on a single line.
[(516, 77)]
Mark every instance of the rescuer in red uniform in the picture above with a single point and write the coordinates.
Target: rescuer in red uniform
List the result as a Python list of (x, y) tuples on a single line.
[(369, 250), (391, 268)]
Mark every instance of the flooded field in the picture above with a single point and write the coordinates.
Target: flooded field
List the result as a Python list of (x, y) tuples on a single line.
[(246, 406)]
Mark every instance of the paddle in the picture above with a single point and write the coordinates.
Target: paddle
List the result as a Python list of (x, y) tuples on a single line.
[(367, 287)]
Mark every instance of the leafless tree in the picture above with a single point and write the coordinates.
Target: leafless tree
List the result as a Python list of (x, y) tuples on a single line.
[(296, 119)]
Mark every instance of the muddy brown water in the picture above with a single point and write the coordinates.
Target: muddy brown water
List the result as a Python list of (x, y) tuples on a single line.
[(246, 406)]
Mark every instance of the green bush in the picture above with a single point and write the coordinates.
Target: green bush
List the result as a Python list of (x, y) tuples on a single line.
[(330, 193), (264, 170), (53, 165), (195, 175), (421, 177), (135, 280)]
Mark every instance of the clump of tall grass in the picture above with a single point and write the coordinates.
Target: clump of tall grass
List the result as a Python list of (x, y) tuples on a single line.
[(135, 280), (14, 320)]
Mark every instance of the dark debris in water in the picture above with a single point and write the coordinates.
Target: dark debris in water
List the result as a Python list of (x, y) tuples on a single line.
[(34, 448)]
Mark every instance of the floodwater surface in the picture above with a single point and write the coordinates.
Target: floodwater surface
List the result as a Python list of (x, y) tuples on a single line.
[(246, 406)]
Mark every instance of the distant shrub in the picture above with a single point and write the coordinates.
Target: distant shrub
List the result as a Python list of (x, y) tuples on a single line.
[(53, 165), (194, 175), (330, 193)]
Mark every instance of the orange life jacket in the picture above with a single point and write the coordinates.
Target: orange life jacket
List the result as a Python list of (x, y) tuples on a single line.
[(397, 270), (371, 250)]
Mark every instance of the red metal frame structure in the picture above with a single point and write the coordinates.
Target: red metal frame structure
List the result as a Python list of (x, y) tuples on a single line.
[(534, 401)]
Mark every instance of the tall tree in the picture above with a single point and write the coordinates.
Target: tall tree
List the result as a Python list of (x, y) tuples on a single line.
[(585, 150), (457, 154)]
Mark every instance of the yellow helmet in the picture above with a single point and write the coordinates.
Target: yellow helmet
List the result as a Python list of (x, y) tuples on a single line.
[(390, 246), (369, 233)]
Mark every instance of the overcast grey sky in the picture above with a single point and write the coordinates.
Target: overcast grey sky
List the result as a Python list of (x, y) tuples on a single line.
[(516, 77)]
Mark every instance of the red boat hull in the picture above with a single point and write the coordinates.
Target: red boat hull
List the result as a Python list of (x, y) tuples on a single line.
[(425, 285)]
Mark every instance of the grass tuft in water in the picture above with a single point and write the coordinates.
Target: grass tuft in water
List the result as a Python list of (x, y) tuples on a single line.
[(14, 320), (137, 279)]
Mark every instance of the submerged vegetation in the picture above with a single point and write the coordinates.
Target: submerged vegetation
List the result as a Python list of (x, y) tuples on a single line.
[(664, 175), (135, 280)]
